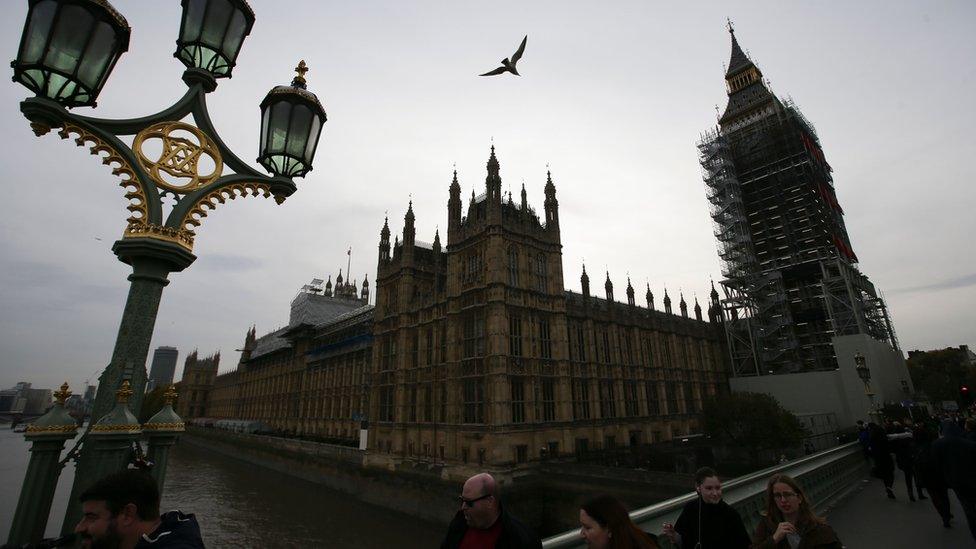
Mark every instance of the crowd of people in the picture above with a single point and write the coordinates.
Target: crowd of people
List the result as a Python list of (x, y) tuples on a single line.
[(121, 511), (936, 455)]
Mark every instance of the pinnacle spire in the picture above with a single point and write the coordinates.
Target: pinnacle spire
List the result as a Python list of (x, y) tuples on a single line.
[(738, 61)]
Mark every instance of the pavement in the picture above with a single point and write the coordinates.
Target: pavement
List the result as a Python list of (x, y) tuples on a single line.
[(867, 519)]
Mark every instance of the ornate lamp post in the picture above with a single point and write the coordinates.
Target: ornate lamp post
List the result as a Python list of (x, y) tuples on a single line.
[(67, 51), (860, 364)]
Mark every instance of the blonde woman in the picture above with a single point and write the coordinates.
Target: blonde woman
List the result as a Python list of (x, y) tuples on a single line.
[(789, 523)]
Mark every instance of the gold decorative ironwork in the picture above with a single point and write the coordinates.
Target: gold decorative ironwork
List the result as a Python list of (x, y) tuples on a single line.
[(134, 194), (180, 156), (169, 395), (164, 426), (218, 196), (301, 69), (62, 395), (38, 429), (124, 392), (112, 428), (182, 237)]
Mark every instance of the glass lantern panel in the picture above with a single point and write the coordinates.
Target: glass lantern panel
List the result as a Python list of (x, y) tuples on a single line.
[(278, 127), (193, 20), (215, 23), (69, 39), (265, 114), (301, 122), (38, 30), (313, 138), (235, 35), (99, 54)]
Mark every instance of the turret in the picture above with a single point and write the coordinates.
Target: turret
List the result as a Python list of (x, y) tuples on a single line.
[(436, 246), (698, 315), (338, 285), (630, 293), (493, 182), (585, 282), (384, 243), (525, 202), (609, 288), (328, 285), (650, 297), (682, 305), (715, 307), (250, 342), (364, 293), (409, 231), (667, 301), (552, 205), (454, 209)]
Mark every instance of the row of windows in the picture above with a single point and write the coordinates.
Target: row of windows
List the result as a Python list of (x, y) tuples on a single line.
[(538, 265)]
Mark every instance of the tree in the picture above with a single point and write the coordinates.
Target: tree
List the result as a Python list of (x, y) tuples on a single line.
[(941, 374), (752, 421)]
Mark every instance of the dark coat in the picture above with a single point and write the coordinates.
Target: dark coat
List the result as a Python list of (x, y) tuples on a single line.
[(175, 531), (721, 526), (515, 535), (955, 456), (812, 536)]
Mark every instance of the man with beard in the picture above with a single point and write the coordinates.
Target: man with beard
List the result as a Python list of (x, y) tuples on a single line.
[(121, 511), (482, 523)]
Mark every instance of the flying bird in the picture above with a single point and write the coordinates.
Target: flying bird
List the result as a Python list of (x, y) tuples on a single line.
[(509, 66)]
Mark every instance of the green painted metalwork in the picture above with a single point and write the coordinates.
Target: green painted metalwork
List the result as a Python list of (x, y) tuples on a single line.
[(47, 436)]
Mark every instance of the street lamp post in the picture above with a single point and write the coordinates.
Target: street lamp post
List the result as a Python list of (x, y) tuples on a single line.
[(863, 372), (67, 51)]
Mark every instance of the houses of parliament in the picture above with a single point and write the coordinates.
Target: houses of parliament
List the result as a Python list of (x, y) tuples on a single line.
[(475, 353)]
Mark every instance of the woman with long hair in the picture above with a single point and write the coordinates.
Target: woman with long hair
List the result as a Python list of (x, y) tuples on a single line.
[(789, 523), (707, 522), (605, 524)]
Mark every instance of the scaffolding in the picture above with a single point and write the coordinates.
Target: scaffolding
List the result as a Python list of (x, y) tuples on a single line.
[(790, 277)]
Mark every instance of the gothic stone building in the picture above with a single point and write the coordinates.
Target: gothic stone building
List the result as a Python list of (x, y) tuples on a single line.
[(196, 384), (482, 357), (475, 353)]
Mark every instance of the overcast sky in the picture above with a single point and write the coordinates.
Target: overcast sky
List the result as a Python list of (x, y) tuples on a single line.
[(613, 96)]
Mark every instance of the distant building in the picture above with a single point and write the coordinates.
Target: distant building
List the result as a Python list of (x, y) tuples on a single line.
[(163, 367), (963, 354), (22, 398), (195, 385)]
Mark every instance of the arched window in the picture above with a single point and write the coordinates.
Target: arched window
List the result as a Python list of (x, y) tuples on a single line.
[(541, 273), (513, 266)]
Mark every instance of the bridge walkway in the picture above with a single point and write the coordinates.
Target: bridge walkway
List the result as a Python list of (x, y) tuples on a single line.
[(867, 519)]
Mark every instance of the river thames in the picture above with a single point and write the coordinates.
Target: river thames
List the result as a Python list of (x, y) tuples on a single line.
[(240, 505)]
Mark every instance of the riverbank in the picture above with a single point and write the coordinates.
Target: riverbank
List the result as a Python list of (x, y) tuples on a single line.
[(547, 497)]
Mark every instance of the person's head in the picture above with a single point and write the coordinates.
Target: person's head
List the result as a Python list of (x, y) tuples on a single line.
[(605, 524), (479, 501), (707, 484), (785, 500), (117, 509)]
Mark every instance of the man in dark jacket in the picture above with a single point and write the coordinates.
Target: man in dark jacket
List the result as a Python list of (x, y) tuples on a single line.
[(956, 458), (482, 523), (121, 511)]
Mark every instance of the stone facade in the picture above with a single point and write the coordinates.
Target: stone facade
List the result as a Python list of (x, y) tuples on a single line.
[(482, 357), (475, 355), (196, 384)]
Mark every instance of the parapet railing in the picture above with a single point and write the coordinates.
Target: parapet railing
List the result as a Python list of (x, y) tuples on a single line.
[(824, 476)]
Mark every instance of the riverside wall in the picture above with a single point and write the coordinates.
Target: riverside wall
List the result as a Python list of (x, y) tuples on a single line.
[(547, 497)]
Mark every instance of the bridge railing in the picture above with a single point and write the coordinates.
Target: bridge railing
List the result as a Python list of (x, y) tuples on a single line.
[(824, 476)]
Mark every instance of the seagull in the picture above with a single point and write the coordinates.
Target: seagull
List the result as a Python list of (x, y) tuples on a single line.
[(509, 66)]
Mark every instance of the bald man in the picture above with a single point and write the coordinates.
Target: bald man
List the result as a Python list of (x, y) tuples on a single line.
[(482, 523)]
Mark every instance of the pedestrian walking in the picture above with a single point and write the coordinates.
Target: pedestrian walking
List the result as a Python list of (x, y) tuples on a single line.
[(903, 446), (955, 456), (482, 522), (880, 449), (789, 523), (605, 524), (928, 473), (708, 522)]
